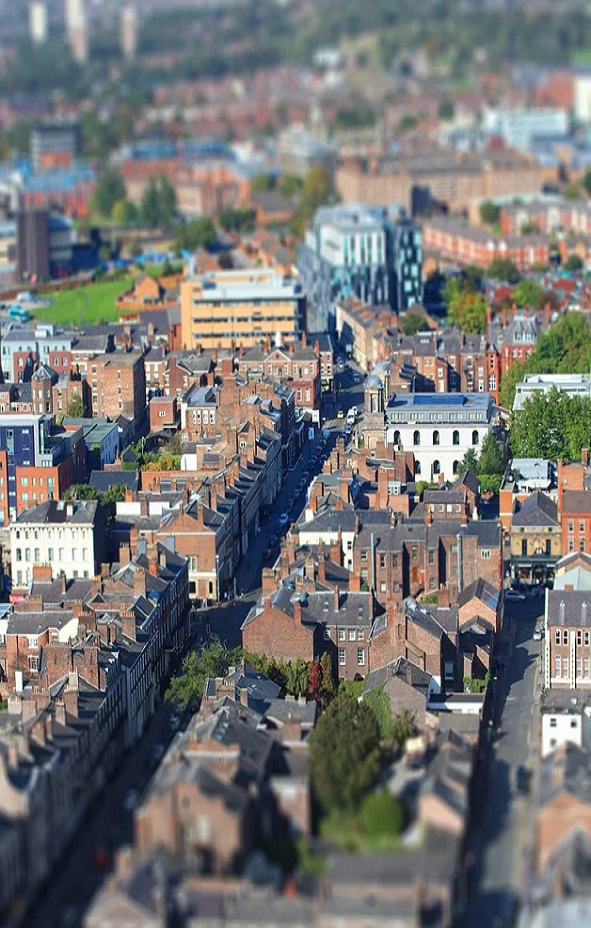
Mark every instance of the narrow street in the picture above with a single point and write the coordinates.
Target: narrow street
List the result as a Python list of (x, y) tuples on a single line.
[(501, 841)]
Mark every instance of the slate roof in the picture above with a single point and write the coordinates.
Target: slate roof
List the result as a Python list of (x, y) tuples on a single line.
[(576, 502), (569, 608), (402, 668), (101, 480), (538, 510), (56, 511), (482, 590), (567, 769)]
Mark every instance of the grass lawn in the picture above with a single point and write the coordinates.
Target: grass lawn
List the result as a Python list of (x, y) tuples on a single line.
[(84, 304)]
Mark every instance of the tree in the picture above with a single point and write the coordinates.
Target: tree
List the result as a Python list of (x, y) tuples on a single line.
[(262, 183), (511, 378), (344, 754), (290, 186), (528, 295), (199, 233), (379, 703), (573, 263), (503, 269), (491, 459), (82, 491), (413, 323), (572, 192), (150, 204), (403, 728), (327, 681), (489, 212), (468, 462), (552, 426), (110, 188), (124, 212), (314, 681), (381, 814), (186, 688), (298, 677), (467, 310), (76, 409), (446, 110), (529, 228), (586, 182), (317, 189), (167, 202)]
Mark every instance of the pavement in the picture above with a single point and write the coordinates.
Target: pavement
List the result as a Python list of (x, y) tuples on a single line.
[(500, 844)]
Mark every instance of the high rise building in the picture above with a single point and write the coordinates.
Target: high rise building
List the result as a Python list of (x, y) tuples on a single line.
[(129, 32), (38, 21), (76, 29), (54, 144), (359, 251)]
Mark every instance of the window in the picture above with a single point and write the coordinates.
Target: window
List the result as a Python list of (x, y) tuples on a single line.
[(485, 554), (456, 467), (436, 467), (342, 634), (60, 554), (448, 670), (37, 555), (565, 666), (475, 438), (326, 634), (574, 723), (456, 437), (416, 438), (582, 526), (579, 636), (524, 547), (431, 557), (19, 554), (360, 657), (435, 437), (74, 554), (27, 554), (565, 636), (32, 641), (557, 636), (194, 563), (587, 637), (553, 723), (360, 634), (579, 667), (342, 657), (352, 634), (33, 664), (556, 666), (548, 546), (586, 667)]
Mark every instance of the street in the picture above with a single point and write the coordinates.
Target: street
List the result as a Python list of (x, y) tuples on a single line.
[(501, 840)]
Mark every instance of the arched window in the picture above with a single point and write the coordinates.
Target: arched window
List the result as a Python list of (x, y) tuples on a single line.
[(416, 439), (456, 466), (417, 468), (456, 437), (435, 437), (475, 438), (436, 468), (396, 437)]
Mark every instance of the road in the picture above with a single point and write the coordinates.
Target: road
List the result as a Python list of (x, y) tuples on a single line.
[(501, 840)]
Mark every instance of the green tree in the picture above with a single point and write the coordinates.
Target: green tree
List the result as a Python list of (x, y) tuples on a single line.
[(586, 182), (167, 202), (572, 192), (491, 459), (468, 462), (413, 323), (317, 189), (150, 204), (528, 295), (489, 212), (290, 186), (503, 269), (344, 757), (573, 263), (403, 728), (511, 378), (82, 491), (262, 183), (298, 677), (379, 703), (124, 212), (199, 233), (529, 228), (110, 188), (381, 814), (76, 408), (446, 110), (186, 688), (467, 310)]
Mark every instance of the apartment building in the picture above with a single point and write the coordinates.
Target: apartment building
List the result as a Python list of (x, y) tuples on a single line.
[(118, 383), (438, 428), (68, 536), (567, 643), (571, 384), (357, 251), (459, 243), (228, 309)]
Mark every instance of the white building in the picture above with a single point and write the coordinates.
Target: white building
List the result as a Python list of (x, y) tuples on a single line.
[(519, 127), (583, 97), (66, 535), (566, 718), (38, 22), (573, 384), (439, 428)]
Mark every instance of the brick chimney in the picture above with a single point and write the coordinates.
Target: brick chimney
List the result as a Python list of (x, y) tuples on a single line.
[(139, 582), (269, 583), (124, 555)]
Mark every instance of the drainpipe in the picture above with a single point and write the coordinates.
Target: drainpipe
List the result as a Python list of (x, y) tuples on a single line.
[(373, 564), (460, 568)]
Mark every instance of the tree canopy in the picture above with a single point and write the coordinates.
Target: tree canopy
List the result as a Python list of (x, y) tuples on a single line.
[(528, 295), (344, 754), (489, 212), (199, 233), (110, 189), (158, 206), (553, 426), (574, 262), (504, 269), (466, 307), (186, 688), (413, 323)]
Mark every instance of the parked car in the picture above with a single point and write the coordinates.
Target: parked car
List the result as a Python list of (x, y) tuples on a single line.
[(131, 799), (538, 634), (515, 596), (522, 779), (340, 413), (283, 519)]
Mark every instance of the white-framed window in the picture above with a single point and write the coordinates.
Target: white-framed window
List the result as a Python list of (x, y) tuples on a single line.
[(342, 634), (586, 668), (557, 636), (565, 636), (565, 666), (360, 634), (556, 666), (342, 657), (579, 636), (360, 657), (32, 641), (485, 554), (33, 664), (352, 634)]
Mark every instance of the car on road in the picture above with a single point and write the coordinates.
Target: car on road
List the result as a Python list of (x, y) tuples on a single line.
[(174, 721), (131, 799), (538, 592), (340, 413), (283, 519), (356, 378), (538, 635), (515, 596)]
